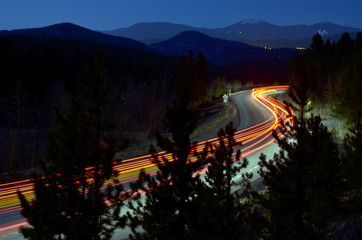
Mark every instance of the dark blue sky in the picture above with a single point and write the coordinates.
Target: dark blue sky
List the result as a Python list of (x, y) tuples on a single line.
[(112, 14)]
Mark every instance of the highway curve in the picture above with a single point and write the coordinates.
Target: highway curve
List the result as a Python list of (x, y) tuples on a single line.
[(258, 114)]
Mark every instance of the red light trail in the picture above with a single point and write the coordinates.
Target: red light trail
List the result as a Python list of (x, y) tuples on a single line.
[(253, 138)]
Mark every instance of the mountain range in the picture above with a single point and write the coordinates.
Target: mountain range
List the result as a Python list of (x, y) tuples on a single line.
[(234, 59), (217, 51), (72, 31), (254, 32), (221, 46)]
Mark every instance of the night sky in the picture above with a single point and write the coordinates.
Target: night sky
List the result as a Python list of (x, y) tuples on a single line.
[(112, 14)]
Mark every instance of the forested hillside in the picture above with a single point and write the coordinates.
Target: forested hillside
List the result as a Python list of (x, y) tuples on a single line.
[(40, 72), (103, 98), (334, 74), (40, 69)]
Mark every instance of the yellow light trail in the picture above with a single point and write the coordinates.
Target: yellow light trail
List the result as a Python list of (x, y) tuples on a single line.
[(257, 136)]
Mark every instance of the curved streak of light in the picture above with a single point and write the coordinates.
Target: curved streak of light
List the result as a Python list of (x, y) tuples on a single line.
[(257, 137)]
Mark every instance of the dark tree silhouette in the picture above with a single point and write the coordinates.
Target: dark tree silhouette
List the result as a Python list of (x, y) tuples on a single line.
[(168, 202), (70, 202), (352, 157), (333, 73), (220, 213), (303, 181), (19, 113), (192, 77)]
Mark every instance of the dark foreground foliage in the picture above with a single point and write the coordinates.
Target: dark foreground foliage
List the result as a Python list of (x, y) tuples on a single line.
[(309, 186), (70, 202), (333, 73)]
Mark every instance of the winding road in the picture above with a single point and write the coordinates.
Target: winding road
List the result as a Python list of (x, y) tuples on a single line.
[(258, 114)]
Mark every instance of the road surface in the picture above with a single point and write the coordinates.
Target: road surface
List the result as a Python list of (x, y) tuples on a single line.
[(257, 116)]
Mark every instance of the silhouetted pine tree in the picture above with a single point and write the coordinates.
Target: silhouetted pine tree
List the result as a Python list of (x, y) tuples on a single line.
[(70, 202), (167, 207), (221, 214), (192, 77), (352, 157), (303, 181), (333, 73), (316, 70)]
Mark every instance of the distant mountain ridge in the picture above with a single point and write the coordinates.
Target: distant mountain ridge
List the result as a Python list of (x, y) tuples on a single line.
[(156, 30), (248, 30), (234, 59), (217, 51), (72, 31), (264, 30)]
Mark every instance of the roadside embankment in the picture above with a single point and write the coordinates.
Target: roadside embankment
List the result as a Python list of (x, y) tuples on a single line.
[(216, 115)]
